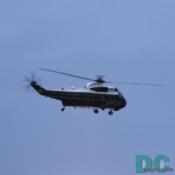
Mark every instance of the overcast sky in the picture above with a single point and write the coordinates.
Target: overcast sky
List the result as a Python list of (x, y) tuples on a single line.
[(125, 40)]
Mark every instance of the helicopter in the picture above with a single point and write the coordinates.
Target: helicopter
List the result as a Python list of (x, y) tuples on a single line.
[(96, 95)]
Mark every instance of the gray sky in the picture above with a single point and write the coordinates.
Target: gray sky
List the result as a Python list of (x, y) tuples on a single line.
[(125, 41)]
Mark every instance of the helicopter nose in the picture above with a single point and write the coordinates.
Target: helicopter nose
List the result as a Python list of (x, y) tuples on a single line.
[(124, 103)]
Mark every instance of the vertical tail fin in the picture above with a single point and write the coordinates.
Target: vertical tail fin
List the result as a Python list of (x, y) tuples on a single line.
[(38, 88)]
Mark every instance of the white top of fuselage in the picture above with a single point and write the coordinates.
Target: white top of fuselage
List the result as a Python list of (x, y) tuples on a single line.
[(86, 90)]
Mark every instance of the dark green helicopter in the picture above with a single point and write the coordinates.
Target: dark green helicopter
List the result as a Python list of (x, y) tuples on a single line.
[(95, 95)]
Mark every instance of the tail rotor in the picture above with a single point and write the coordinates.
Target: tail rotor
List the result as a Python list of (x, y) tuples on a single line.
[(32, 79)]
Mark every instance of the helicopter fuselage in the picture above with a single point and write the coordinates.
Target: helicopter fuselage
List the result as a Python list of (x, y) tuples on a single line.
[(87, 98)]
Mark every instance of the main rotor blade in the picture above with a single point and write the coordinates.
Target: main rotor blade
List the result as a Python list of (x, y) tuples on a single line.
[(67, 74), (100, 79), (135, 83)]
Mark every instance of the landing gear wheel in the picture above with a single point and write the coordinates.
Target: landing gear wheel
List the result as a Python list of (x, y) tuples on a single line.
[(62, 109), (110, 113), (96, 111)]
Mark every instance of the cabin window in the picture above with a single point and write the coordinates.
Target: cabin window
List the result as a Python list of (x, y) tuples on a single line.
[(100, 89)]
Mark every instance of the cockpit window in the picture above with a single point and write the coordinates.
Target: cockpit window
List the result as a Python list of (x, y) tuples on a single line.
[(116, 90)]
